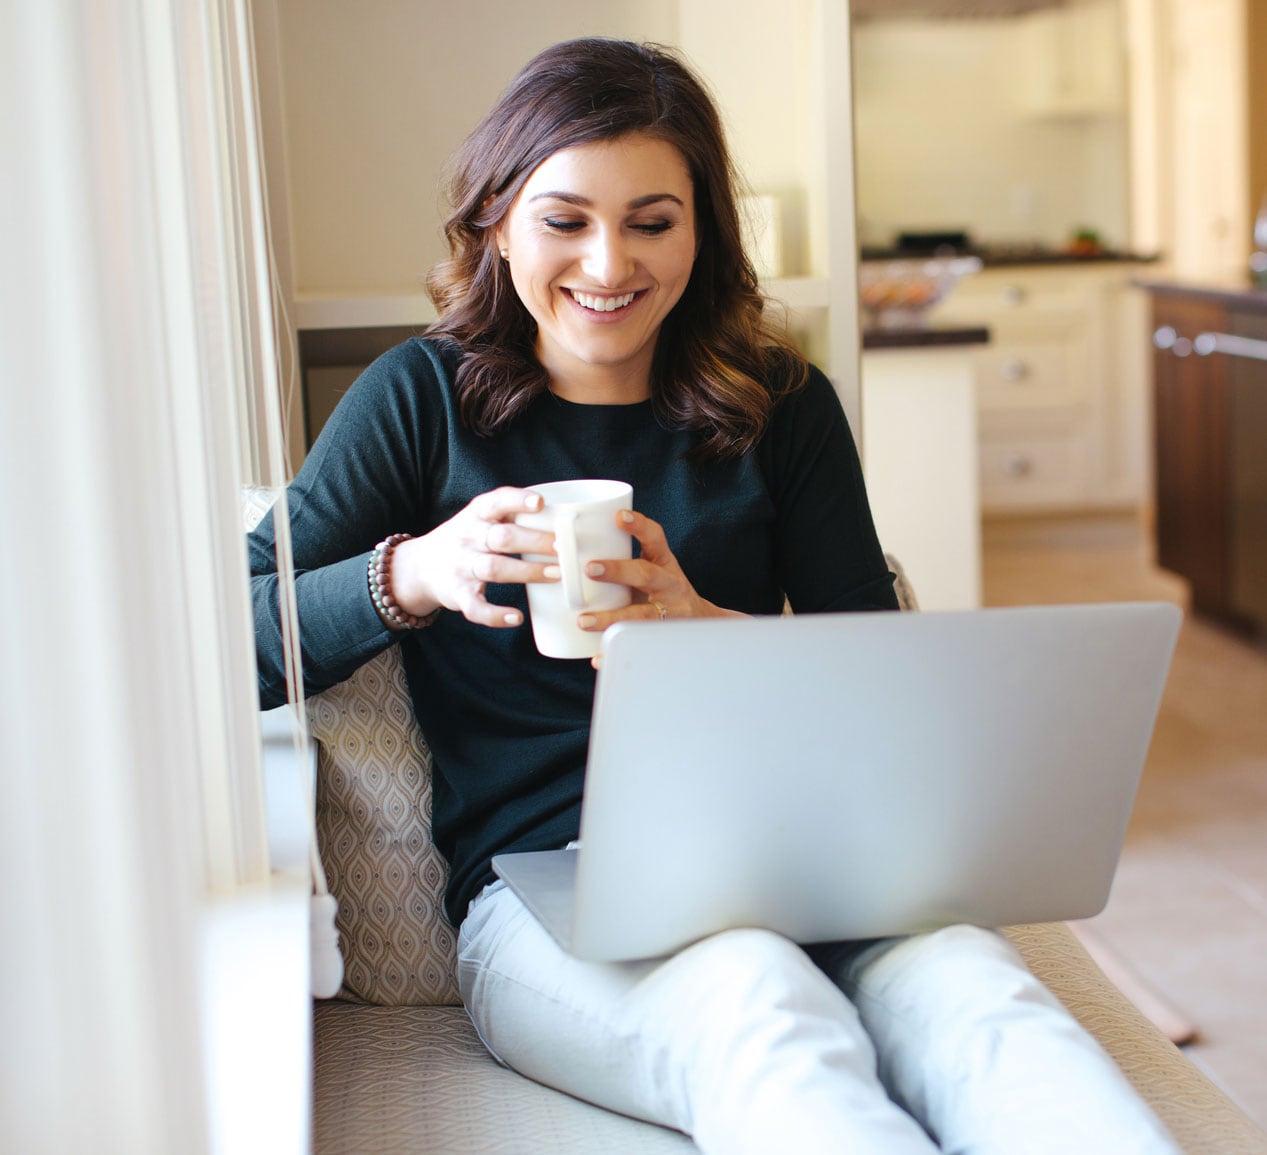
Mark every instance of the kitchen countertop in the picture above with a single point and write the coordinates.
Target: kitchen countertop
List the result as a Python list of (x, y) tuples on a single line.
[(1007, 256), (932, 337), (1229, 291)]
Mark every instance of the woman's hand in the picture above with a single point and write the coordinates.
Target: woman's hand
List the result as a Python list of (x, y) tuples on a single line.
[(451, 565), (660, 589)]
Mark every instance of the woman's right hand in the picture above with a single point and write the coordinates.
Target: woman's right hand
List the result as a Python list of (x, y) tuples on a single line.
[(451, 565)]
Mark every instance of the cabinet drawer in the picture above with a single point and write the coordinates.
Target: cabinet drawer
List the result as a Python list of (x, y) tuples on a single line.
[(1029, 375), (1027, 472), (1006, 298)]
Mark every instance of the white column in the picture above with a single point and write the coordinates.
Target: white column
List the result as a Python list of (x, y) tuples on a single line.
[(919, 429)]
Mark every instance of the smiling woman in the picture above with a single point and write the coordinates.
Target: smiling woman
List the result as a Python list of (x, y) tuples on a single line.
[(599, 319)]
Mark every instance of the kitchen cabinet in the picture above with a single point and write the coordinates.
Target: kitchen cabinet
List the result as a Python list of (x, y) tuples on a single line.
[(1073, 60), (1210, 424), (1197, 112), (1248, 497), (1190, 428), (1061, 387)]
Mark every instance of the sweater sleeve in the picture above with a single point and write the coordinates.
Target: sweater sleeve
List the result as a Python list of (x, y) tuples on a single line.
[(362, 480), (829, 556)]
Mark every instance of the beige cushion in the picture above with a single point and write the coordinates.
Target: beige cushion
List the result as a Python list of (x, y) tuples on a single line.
[(417, 1079), (412, 1080), (257, 500), (374, 833), (902, 585), (1202, 1118)]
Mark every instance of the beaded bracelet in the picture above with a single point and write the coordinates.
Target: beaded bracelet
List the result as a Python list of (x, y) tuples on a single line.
[(380, 579)]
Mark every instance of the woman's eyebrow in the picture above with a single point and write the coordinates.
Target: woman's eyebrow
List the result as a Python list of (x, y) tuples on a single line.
[(584, 202)]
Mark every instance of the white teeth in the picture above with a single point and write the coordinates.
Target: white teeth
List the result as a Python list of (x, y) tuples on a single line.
[(602, 304)]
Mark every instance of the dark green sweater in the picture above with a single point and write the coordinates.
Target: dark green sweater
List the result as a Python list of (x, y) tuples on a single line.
[(508, 728)]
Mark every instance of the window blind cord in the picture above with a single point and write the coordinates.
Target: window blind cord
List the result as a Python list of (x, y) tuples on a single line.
[(326, 975)]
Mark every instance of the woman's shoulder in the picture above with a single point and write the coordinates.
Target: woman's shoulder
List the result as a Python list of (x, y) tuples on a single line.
[(417, 372), (419, 356), (405, 390), (799, 388)]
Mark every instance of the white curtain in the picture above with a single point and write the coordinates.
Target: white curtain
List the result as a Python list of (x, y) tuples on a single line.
[(142, 924)]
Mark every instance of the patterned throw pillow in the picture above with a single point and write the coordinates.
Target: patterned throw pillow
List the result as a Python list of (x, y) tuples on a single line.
[(374, 834)]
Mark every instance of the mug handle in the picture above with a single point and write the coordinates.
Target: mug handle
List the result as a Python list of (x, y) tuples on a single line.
[(569, 561)]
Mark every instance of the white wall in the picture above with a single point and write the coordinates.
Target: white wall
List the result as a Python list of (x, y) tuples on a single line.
[(768, 109), (378, 94), (944, 142)]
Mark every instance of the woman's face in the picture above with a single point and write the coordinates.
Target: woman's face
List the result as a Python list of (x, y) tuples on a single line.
[(601, 240)]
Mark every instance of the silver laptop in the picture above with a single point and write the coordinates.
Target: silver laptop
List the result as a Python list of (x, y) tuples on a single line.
[(846, 776)]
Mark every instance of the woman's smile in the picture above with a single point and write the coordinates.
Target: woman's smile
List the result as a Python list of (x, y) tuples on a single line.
[(599, 304)]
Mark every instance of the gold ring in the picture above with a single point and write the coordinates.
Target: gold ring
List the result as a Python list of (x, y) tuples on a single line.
[(659, 609)]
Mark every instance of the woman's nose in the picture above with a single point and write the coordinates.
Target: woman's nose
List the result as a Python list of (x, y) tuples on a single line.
[(606, 260)]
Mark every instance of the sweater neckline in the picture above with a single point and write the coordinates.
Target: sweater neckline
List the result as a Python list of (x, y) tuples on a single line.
[(636, 413)]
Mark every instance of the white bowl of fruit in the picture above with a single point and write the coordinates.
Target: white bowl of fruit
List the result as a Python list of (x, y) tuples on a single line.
[(899, 294)]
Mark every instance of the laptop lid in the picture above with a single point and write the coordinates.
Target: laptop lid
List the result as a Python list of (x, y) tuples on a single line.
[(848, 776)]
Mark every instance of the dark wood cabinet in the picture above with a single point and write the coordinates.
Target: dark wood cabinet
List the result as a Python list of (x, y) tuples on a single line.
[(1190, 432), (1210, 424), (1247, 390)]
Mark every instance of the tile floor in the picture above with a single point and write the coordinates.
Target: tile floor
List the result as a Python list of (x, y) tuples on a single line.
[(1188, 911)]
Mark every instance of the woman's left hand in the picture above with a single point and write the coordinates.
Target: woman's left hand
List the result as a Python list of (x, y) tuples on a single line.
[(660, 589)]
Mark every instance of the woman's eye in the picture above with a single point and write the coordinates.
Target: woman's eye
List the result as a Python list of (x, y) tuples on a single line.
[(563, 226), (655, 228)]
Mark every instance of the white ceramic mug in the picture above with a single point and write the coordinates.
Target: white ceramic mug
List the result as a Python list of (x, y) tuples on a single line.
[(582, 517)]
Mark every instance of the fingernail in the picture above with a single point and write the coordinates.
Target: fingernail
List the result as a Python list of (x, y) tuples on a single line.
[(626, 515), (595, 569), (587, 621), (533, 501), (552, 573), (512, 618)]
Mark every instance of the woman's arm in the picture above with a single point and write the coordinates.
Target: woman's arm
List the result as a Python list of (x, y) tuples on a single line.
[(828, 555), (367, 477), (364, 478)]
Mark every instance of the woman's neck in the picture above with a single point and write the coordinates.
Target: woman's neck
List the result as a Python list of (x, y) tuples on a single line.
[(626, 383)]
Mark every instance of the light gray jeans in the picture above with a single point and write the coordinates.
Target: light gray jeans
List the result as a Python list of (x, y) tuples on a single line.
[(748, 1043)]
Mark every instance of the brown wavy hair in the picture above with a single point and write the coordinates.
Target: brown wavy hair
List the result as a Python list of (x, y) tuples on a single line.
[(719, 363)]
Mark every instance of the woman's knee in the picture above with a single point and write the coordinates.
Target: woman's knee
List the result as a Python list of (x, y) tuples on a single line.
[(961, 949), (736, 979), (953, 976), (747, 956)]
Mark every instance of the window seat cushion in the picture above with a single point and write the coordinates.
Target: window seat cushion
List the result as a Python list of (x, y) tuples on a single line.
[(412, 1080)]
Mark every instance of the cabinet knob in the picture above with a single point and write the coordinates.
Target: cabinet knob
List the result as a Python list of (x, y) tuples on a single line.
[(1017, 465), (1012, 294), (1014, 369), (1167, 338)]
